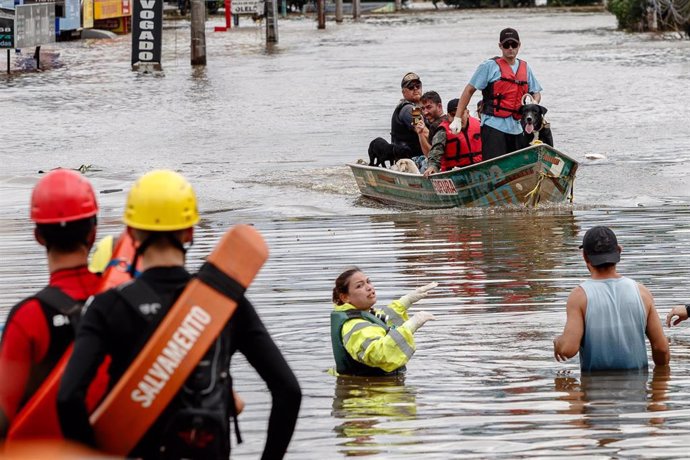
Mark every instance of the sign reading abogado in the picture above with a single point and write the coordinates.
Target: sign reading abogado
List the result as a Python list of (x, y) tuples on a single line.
[(147, 34)]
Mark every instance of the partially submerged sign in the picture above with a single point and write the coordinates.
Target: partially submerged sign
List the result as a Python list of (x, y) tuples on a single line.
[(35, 25), (253, 7), (147, 34), (6, 28)]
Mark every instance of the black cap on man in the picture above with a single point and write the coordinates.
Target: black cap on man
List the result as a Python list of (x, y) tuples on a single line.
[(600, 245), (508, 34)]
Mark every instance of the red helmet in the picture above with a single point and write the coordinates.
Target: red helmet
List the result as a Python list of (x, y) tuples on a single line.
[(62, 196)]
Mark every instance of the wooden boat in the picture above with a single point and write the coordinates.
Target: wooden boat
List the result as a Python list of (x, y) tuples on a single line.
[(536, 174)]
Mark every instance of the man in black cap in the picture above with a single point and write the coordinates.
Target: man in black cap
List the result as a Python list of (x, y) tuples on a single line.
[(503, 82), (609, 314), (449, 149), (403, 121)]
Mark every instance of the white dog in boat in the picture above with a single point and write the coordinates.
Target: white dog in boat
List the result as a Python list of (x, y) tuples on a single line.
[(405, 165)]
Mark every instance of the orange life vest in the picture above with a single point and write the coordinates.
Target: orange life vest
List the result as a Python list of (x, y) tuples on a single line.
[(463, 148), (503, 97)]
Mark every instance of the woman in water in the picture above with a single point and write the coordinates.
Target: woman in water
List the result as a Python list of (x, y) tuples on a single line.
[(368, 341)]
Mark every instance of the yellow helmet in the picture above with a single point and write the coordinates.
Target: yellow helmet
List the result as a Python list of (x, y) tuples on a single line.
[(161, 201)]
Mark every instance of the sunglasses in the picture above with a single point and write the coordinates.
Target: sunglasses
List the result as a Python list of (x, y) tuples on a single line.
[(414, 86), (510, 44)]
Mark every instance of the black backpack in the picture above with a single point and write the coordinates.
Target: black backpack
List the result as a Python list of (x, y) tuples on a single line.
[(197, 424)]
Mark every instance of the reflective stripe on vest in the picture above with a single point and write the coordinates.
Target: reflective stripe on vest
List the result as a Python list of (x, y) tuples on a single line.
[(345, 364)]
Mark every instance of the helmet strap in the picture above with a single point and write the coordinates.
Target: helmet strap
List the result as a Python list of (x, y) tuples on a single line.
[(154, 236)]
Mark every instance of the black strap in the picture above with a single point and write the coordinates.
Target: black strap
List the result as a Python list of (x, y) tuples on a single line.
[(56, 298), (136, 293), (352, 314), (237, 425), (215, 278)]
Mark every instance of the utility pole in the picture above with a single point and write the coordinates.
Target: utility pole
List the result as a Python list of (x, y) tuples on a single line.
[(198, 32), (270, 8), (338, 11), (321, 13)]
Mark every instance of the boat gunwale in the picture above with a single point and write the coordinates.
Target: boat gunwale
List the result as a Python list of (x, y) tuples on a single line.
[(440, 175)]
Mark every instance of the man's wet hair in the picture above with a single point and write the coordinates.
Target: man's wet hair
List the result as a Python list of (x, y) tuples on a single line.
[(67, 237), (431, 96)]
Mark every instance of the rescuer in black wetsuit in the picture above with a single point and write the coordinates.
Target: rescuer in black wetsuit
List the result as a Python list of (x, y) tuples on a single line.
[(117, 326)]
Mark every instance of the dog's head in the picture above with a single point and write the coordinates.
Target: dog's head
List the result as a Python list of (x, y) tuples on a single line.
[(532, 117), (401, 151)]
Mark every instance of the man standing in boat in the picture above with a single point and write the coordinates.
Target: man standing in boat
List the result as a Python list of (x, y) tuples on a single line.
[(40, 328), (406, 115), (609, 314), (503, 82)]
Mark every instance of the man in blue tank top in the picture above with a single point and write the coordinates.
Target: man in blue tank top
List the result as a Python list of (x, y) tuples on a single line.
[(609, 314)]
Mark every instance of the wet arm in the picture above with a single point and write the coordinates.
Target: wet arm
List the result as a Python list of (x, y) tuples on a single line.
[(423, 135), (566, 345), (464, 101), (88, 354), (655, 331), (264, 356), (438, 148)]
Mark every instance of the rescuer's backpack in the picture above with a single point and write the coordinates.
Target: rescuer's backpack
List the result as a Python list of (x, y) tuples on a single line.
[(198, 422)]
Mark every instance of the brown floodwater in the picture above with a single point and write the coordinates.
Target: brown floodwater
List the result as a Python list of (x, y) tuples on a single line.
[(264, 136)]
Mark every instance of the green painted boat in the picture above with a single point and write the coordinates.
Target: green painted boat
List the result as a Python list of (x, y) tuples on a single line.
[(536, 174)]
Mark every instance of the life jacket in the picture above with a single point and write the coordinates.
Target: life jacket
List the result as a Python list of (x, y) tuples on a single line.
[(197, 421), (344, 363), (402, 134), (503, 97), (62, 313), (463, 148)]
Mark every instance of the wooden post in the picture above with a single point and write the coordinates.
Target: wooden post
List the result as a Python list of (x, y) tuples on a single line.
[(37, 56), (398, 5), (355, 9), (321, 13), (338, 11), (271, 21), (198, 32)]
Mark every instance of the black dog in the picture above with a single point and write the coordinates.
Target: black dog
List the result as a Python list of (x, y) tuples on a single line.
[(380, 151), (534, 127)]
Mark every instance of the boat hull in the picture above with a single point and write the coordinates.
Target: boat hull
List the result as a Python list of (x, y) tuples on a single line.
[(527, 177)]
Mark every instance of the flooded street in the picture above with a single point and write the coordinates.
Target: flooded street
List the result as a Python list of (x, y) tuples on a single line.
[(264, 136)]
